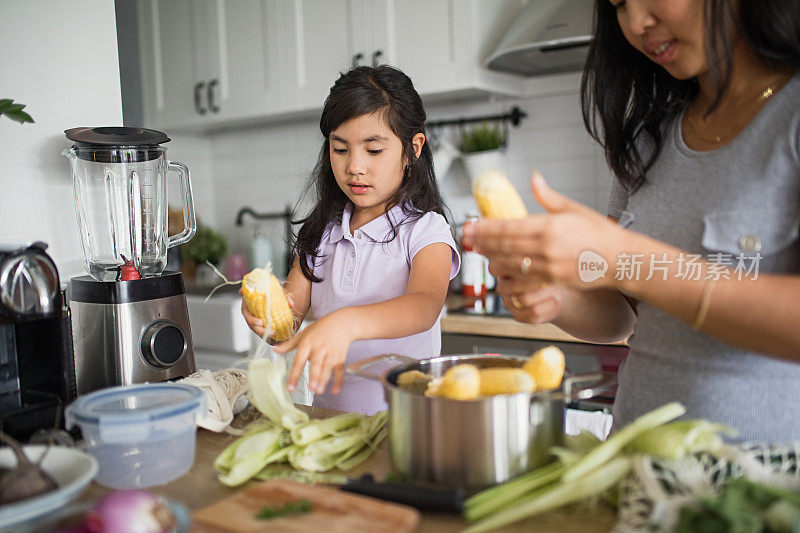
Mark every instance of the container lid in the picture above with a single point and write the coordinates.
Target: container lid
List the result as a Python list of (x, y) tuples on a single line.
[(111, 136), (135, 404)]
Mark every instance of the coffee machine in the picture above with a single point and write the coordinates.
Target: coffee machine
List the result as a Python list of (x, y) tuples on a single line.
[(130, 318), (37, 373)]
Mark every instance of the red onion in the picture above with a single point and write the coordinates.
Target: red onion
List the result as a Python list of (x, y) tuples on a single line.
[(130, 511)]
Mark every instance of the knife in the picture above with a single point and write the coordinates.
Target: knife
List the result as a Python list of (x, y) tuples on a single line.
[(422, 498)]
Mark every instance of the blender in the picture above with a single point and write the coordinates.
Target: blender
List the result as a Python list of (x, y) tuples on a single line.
[(129, 316)]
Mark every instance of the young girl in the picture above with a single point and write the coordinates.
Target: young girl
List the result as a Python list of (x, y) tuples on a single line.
[(375, 255), (696, 105)]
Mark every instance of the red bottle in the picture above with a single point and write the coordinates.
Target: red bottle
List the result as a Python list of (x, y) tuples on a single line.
[(473, 269)]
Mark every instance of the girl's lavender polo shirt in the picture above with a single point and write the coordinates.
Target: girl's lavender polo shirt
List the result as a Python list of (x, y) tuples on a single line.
[(361, 269)]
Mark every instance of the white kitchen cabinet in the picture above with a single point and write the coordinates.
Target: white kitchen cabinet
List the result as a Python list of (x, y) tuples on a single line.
[(208, 62), (439, 43), (321, 38), (166, 48), (220, 62)]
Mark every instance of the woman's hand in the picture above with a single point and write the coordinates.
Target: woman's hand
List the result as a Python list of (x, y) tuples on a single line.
[(324, 344), (538, 306), (546, 248)]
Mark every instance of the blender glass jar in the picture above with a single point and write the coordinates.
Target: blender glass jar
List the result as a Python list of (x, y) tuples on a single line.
[(120, 186)]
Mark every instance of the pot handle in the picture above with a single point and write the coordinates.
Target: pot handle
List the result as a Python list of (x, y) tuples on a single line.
[(357, 368), (572, 389)]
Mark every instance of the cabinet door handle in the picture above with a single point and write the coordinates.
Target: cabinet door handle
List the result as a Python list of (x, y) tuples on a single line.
[(198, 106), (214, 108), (357, 59), (376, 57)]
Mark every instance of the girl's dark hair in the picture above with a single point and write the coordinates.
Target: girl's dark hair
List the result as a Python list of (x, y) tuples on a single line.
[(363, 91), (631, 96)]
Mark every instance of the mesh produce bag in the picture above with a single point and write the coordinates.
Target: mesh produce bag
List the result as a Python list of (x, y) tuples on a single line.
[(650, 499)]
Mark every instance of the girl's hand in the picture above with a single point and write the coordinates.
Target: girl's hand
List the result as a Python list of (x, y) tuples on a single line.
[(256, 324), (538, 306), (547, 247), (324, 343)]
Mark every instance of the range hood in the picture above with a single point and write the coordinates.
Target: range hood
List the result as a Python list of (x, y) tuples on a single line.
[(546, 37)]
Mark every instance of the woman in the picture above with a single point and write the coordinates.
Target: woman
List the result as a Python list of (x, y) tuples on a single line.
[(696, 105)]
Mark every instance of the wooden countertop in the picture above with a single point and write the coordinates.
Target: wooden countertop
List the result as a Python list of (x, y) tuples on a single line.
[(200, 488), (456, 321)]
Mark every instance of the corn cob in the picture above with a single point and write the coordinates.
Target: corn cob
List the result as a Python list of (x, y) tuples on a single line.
[(460, 382), (265, 299), (546, 366), (496, 197), (505, 381), (413, 381)]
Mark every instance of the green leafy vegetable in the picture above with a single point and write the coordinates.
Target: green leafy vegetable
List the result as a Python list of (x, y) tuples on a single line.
[(300, 507), (742, 506)]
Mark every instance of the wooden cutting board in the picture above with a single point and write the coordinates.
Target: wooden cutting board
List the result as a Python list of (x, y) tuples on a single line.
[(332, 510)]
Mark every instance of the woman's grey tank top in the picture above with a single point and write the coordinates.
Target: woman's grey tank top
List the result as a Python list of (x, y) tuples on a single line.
[(739, 205)]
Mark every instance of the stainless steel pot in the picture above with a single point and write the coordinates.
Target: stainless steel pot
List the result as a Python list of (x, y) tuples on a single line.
[(473, 444)]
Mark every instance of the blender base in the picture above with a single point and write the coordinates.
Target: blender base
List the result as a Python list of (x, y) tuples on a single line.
[(129, 332)]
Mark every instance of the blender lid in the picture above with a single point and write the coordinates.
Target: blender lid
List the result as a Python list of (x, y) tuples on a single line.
[(116, 136), (128, 404)]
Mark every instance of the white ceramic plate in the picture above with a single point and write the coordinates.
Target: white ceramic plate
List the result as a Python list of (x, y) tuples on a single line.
[(72, 469)]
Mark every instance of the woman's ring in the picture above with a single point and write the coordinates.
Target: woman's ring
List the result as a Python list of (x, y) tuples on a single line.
[(515, 302), (525, 265)]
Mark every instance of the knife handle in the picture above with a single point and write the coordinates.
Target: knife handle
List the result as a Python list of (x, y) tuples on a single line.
[(451, 501)]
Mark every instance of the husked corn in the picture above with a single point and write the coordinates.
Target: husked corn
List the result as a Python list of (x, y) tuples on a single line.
[(547, 367), (459, 382), (261, 291), (505, 381), (496, 197), (414, 381)]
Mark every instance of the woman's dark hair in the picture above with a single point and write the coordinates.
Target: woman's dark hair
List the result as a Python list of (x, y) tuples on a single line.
[(363, 91), (631, 96)]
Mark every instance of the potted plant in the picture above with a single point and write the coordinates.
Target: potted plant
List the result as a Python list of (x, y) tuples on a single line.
[(207, 246), (480, 149)]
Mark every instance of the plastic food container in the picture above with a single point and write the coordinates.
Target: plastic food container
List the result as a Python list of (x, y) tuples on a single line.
[(141, 435)]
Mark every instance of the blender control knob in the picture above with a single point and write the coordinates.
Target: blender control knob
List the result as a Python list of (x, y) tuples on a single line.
[(163, 343)]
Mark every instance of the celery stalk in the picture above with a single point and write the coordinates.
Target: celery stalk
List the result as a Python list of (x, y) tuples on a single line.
[(498, 497), (558, 494), (616, 442)]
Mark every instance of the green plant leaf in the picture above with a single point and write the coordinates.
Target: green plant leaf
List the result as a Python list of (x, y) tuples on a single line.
[(206, 245), (482, 138), (14, 111), (19, 116)]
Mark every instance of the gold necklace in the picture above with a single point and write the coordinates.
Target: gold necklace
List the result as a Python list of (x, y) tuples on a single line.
[(764, 96)]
